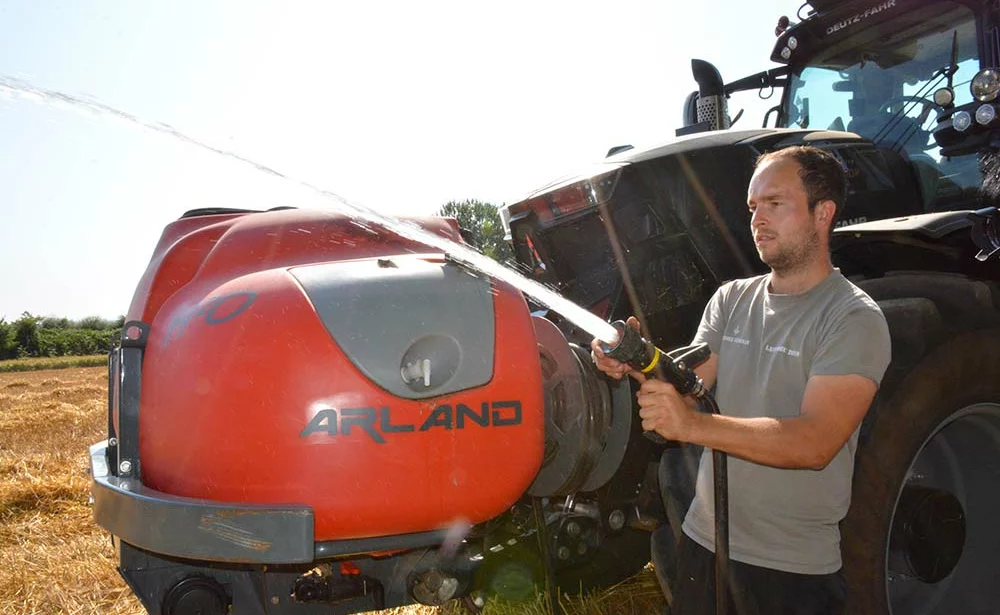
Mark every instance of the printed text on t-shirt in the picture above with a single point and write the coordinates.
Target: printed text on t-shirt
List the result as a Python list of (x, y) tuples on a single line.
[(782, 349)]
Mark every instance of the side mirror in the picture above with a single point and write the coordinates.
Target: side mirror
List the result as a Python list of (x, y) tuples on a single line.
[(690, 112)]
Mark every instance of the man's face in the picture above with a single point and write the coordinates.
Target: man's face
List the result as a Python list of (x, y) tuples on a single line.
[(786, 233)]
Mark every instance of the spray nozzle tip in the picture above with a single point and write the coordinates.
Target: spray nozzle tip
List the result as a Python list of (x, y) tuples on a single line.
[(613, 337), (629, 347)]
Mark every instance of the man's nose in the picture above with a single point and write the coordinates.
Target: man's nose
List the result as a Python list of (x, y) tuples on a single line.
[(757, 218)]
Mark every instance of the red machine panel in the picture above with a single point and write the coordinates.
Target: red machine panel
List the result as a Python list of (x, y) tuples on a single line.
[(247, 397)]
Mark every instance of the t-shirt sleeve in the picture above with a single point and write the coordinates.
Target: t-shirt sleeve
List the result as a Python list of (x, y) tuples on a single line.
[(858, 343), (713, 321)]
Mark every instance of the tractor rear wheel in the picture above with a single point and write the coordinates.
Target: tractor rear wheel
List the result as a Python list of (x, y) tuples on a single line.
[(923, 533)]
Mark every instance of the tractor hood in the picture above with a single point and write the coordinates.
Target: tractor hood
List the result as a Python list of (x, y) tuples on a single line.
[(675, 215), (761, 139)]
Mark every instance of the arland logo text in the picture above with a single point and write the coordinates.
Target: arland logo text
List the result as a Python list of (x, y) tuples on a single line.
[(376, 423)]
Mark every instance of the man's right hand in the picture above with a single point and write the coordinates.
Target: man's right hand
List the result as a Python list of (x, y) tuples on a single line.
[(611, 367)]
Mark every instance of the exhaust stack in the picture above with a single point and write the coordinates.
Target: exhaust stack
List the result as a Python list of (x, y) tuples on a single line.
[(711, 103)]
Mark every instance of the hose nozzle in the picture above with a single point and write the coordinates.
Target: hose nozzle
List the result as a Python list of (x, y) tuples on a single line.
[(641, 355), (632, 349)]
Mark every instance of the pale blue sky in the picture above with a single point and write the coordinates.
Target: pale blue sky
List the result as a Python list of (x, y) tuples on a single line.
[(400, 106)]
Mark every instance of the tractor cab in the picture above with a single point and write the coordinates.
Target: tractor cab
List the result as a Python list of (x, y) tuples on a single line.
[(891, 72)]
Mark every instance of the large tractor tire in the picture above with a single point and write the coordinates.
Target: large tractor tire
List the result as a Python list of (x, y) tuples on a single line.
[(923, 533)]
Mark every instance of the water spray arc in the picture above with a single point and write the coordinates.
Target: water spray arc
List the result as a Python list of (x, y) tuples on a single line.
[(544, 295)]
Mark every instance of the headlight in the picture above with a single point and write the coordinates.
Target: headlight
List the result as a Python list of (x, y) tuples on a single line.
[(944, 97), (961, 121), (986, 85), (985, 114)]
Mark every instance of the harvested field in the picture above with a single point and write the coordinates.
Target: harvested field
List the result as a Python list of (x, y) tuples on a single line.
[(55, 560)]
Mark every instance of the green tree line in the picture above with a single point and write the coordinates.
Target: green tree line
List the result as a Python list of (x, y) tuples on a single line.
[(48, 336)]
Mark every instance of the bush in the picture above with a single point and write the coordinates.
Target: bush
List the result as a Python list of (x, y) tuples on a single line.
[(95, 322), (52, 322), (25, 335), (7, 350), (74, 342), (33, 336)]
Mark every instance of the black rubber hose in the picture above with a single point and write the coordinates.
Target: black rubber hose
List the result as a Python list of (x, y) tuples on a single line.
[(720, 480)]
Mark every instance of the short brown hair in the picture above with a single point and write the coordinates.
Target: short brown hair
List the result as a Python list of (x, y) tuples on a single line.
[(822, 175)]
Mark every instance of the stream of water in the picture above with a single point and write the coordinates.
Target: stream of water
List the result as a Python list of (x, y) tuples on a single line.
[(581, 317)]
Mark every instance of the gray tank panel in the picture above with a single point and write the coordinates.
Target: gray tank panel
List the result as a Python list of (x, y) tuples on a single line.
[(433, 321)]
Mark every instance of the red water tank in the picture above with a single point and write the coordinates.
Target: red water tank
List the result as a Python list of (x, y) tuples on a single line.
[(391, 391)]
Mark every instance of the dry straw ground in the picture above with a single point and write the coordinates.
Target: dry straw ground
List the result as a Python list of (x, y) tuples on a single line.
[(54, 560)]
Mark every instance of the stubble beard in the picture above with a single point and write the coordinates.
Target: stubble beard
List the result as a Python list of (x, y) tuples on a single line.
[(791, 258)]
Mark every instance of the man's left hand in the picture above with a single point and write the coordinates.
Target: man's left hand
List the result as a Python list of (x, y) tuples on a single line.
[(665, 411)]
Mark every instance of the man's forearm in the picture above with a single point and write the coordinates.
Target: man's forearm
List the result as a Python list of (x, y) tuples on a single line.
[(782, 443)]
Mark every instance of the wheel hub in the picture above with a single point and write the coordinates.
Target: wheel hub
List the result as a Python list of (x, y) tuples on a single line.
[(928, 534), (941, 556)]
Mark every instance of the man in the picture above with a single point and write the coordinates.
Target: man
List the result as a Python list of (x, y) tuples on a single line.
[(797, 357)]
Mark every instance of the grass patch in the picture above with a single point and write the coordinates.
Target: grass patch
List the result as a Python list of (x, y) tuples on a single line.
[(46, 363), (640, 594)]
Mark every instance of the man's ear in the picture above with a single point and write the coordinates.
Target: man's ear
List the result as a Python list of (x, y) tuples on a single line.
[(825, 211)]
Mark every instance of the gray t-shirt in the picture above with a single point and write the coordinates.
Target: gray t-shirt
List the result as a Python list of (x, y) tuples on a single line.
[(768, 346)]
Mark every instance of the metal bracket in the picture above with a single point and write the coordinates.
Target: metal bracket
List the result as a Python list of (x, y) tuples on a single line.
[(125, 394)]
